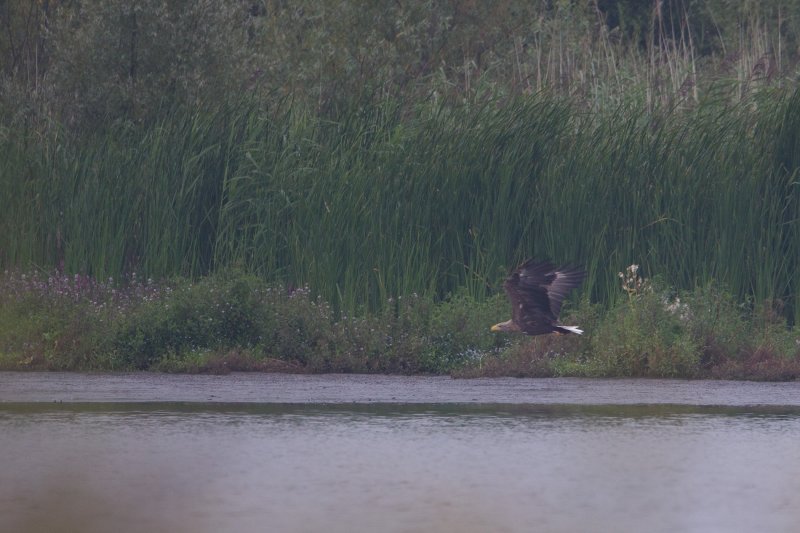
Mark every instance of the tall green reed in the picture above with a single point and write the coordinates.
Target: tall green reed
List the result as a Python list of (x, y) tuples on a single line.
[(387, 200), (125, 199)]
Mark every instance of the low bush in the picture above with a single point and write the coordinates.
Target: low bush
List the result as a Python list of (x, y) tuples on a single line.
[(233, 321), (651, 331), (61, 322), (223, 310)]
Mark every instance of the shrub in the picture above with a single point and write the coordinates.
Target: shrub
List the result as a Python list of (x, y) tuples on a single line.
[(460, 332), (60, 322), (217, 311), (234, 321), (642, 337)]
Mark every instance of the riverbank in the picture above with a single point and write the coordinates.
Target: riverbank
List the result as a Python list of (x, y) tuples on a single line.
[(353, 204), (235, 322)]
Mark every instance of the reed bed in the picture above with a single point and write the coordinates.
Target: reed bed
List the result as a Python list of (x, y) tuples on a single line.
[(388, 201)]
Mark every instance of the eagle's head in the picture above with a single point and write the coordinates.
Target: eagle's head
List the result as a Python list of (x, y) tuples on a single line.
[(508, 325)]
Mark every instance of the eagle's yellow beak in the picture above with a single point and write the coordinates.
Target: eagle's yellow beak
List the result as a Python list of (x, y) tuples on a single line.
[(497, 327)]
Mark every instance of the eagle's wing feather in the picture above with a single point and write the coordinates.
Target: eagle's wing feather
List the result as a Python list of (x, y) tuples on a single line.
[(536, 290), (566, 279), (511, 286), (527, 291)]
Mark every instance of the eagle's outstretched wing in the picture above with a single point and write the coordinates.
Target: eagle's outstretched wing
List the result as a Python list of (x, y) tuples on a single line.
[(536, 290)]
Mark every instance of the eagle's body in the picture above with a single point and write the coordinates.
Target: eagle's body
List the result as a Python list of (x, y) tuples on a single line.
[(536, 290)]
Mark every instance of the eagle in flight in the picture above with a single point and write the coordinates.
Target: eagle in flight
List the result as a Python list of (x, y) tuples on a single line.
[(536, 290)]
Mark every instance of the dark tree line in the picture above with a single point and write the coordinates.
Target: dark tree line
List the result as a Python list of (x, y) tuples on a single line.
[(85, 63)]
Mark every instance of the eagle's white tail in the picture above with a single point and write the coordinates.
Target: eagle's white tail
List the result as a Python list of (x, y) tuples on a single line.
[(572, 329)]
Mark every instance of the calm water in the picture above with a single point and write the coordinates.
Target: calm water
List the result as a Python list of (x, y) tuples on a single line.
[(111, 459)]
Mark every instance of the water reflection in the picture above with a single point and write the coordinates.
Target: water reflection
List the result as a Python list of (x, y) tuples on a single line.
[(241, 467)]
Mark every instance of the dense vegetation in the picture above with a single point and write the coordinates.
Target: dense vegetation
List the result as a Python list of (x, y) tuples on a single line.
[(234, 321), (356, 180)]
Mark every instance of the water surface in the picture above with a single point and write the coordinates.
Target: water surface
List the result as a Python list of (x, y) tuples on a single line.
[(354, 388), (91, 453)]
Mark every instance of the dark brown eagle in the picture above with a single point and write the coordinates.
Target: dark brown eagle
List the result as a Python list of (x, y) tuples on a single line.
[(536, 290)]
